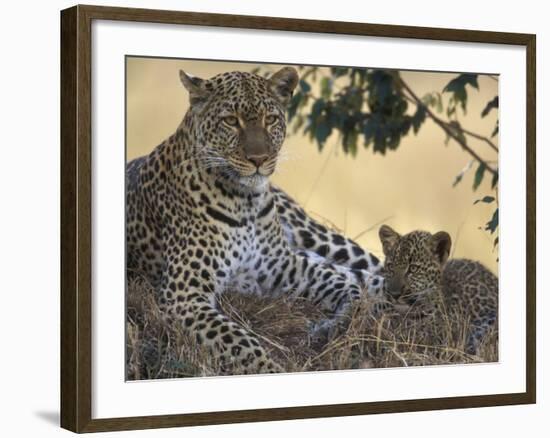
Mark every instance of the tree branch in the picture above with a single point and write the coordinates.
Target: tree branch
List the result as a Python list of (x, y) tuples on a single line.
[(479, 137), (465, 131), (446, 127)]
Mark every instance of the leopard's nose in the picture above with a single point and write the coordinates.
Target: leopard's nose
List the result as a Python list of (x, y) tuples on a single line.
[(258, 160), (393, 287)]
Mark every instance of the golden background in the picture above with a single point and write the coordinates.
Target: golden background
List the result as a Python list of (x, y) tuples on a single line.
[(410, 188)]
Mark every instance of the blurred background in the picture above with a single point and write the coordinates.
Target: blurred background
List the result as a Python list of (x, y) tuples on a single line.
[(413, 173)]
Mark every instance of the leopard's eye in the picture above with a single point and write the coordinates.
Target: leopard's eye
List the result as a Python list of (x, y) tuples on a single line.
[(231, 120), (388, 266), (413, 268), (269, 120)]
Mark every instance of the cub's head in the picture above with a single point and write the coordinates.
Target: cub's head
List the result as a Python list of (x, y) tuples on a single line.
[(413, 262), (239, 122)]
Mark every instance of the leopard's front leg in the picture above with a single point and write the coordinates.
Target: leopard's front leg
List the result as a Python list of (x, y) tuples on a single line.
[(188, 299), (321, 283), (371, 283)]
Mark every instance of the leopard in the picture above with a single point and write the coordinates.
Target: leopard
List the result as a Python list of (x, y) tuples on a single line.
[(418, 273), (202, 215)]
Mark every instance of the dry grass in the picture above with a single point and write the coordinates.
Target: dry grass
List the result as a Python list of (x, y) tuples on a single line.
[(157, 351)]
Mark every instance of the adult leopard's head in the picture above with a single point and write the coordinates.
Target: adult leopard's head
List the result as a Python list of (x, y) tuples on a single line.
[(413, 263), (238, 122)]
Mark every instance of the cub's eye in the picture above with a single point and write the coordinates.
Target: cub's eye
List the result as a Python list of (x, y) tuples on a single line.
[(231, 121), (388, 266), (269, 120), (413, 269)]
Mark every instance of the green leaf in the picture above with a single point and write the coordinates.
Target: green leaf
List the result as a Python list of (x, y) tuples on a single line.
[(428, 99), (299, 122), (451, 108), (494, 181), (433, 100), (472, 80), (368, 130), (492, 104), (339, 71), (492, 225), (326, 87), (349, 142), (457, 87), (485, 199), (380, 139), (322, 133), (456, 129), (459, 177), (317, 108), (293, 105), (418, 118), (460, 82), (439, 104), (495, 131), (478, 177), (304, 86)]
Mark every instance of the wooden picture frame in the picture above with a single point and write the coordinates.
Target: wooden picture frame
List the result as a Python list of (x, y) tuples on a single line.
[(76, 217)]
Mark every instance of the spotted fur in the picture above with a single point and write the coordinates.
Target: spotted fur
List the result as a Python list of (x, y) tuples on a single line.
[(417, 273), (202, 217)]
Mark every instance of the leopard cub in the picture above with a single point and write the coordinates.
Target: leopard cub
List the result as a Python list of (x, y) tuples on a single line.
[(417, 274)]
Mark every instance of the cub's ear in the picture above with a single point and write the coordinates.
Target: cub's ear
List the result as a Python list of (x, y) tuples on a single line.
[(389, 238), (283, 83), (441, 246), (195, 86)]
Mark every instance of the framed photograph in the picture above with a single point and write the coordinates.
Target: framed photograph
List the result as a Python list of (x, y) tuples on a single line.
[(268, 218)]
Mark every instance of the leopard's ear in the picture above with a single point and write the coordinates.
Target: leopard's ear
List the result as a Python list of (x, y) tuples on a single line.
[(441, 246), (195, 86), (283, 83), (389, 238)]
